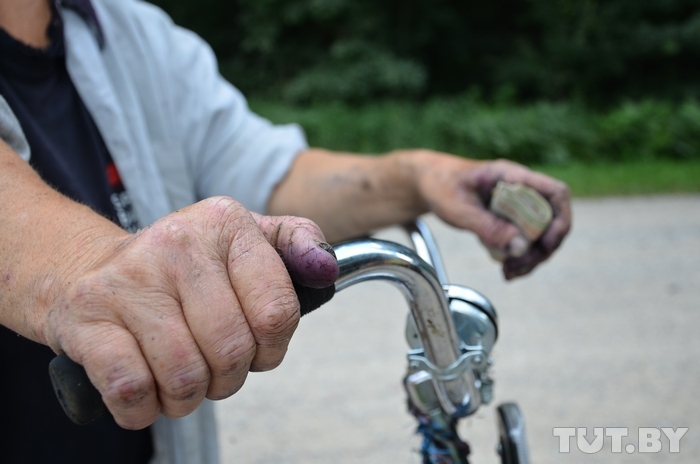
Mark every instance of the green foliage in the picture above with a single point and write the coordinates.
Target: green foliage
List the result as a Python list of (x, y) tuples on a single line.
[(359, 51), (600, 51), (356, 73), (539, 133), (308, 50), (550, 82), (628, 178), (651, 130)]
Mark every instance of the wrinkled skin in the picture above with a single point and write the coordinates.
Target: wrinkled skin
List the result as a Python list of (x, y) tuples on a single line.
[(185, 308), (349, 196), (458, 191)]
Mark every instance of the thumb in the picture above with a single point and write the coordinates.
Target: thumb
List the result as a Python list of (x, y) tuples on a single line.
[(501, 237), (310, 261)]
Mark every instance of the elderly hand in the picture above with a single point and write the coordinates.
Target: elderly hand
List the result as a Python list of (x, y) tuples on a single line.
[(185, 308), (459, 191)]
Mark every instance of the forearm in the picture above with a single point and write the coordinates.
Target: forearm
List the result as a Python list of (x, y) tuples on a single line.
[(350, 195), (163, 318), (45, 238)]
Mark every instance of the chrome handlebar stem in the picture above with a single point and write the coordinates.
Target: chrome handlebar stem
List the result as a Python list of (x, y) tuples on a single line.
[(363, 260)]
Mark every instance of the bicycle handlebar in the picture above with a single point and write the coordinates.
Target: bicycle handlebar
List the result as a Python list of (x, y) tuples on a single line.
[(371, 259), (359, 261)]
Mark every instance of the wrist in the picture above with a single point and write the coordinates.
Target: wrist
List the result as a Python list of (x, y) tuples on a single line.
[(409, 168), (76, 252)]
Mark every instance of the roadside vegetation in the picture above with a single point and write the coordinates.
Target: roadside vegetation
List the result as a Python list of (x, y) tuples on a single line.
[(604, 94), (634, 148)]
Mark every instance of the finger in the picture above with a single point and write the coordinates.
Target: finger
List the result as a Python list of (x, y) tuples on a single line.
[(117, 368), (229, 283), (259, 280), (501, 237), (310, 260), (146, 355), (114, 363), (517, 267), (561, 222), (516, 248), (175, 304), (559, 197), (555, 192), (218, 323), (539, 252), (181, 373), (464, 202)]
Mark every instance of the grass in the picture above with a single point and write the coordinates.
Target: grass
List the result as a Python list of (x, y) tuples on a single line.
[(628, 178)]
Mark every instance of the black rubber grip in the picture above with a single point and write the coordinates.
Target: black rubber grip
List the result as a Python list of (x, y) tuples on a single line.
[(83, 403), (79, 398)]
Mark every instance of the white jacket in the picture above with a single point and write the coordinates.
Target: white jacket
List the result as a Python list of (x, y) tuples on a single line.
[(178, 133)]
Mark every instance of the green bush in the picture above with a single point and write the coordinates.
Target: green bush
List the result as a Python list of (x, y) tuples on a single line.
[(651, 130), (538, 133)]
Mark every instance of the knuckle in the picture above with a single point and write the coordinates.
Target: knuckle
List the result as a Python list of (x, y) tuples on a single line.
[(231, 219), (222, 209), (236, 354), (172, 232), (222, 204), (278, 320), (187, 386), (230, 368), (130, 391)]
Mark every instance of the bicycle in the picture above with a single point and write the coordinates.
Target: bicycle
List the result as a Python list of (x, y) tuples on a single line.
[(451, 330)]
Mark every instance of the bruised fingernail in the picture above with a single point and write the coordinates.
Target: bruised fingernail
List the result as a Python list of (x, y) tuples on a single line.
[(518, 246), (326, 247)]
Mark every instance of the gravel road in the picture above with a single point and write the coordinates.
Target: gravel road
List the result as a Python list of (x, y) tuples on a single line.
[(604, 335)]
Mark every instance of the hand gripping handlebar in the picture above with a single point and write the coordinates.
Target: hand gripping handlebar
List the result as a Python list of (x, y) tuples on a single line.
[(359, 261)]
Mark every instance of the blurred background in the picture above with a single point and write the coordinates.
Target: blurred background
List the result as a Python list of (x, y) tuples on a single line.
[(561, 85), (602, 94)]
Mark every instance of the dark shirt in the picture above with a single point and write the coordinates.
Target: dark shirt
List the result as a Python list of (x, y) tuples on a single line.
[(70, 155)]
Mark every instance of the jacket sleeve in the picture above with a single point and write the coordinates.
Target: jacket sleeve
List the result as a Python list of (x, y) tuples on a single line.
[(228, 149)]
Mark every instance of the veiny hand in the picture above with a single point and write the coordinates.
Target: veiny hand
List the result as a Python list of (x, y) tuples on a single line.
[(459, 191), (185, 308)]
